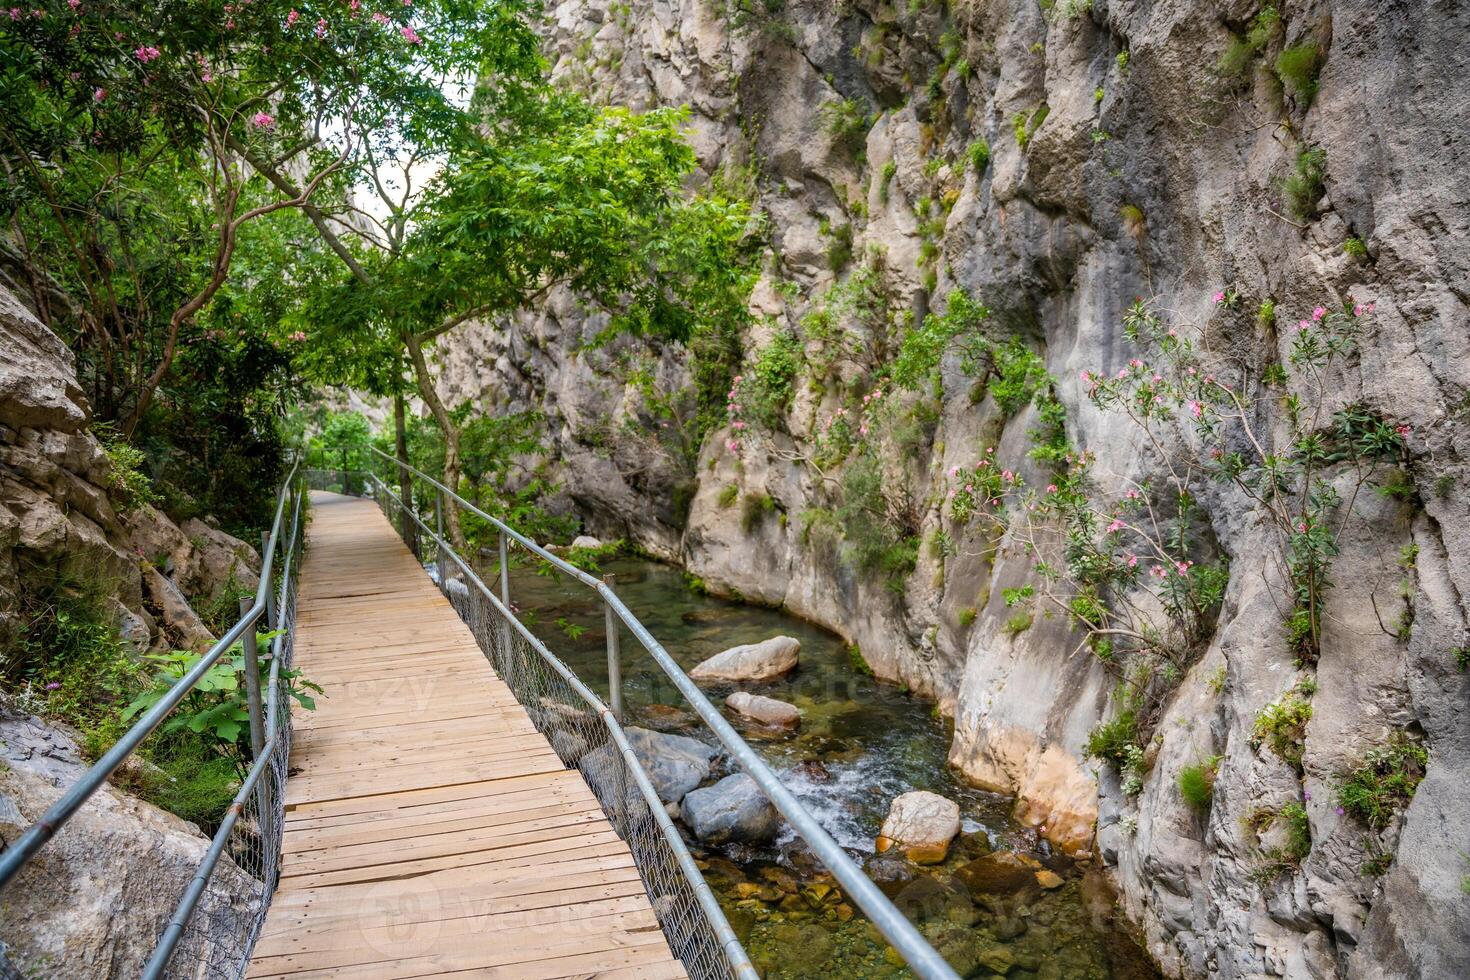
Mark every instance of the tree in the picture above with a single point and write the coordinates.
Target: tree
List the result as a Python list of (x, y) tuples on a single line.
[(137, 138), (548, 192)]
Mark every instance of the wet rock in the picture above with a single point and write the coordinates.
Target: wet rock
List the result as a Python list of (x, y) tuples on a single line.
[(921, 824), (1048, 880), (675, 764), (1000, 873), (664, 717), (812, 770), (763, 661), (765, 711), (734, 809), (890, 873)]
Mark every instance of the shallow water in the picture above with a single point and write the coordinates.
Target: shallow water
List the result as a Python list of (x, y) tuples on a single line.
[(861, 743)]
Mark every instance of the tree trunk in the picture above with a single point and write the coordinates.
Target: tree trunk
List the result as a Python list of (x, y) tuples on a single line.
[(405, 481), (451, 438)]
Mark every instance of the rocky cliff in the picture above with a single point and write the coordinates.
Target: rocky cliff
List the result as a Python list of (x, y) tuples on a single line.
[(1235, 165), (96, 898)]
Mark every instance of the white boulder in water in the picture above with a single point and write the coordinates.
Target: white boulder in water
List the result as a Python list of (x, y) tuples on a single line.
[(921, 824), (763, 661), (586, 541)]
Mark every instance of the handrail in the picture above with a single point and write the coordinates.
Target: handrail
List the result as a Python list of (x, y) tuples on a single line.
[(265, 730), (895, 927), (25, 847), (734, 952)]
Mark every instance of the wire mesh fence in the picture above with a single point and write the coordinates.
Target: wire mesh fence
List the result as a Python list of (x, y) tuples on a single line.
[(217, 938), (584, 735)]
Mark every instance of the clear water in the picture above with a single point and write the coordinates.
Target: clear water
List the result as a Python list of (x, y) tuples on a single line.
[(861, 743)]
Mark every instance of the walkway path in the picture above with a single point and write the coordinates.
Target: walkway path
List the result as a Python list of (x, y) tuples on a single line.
[(430, 829)]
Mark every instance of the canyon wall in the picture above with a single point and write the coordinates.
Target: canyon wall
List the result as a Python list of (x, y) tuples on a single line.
[(1131, 149)]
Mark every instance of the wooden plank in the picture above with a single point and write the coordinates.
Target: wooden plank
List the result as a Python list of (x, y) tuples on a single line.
[(430, 829)]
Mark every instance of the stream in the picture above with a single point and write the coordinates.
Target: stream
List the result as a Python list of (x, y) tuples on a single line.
[(860, 744)]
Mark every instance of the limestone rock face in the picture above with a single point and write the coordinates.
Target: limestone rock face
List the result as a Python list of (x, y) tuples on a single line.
[(95, 899), (763, 710), (1138, 168), (921, 824), (733, 810), (763, 661)]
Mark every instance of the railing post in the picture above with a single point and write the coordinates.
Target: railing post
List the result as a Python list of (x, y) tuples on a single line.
[(344, 470), (508, 664), (614, 661), (270, 593), (257, 710)]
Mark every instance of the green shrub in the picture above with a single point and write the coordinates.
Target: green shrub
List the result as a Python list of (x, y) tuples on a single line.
[(839, 252), (1019, 623), (1384, 782), (847, 121), (1110, 741), (856, 662), (885, 177), (130, 486), (1462, 658), (1303, 188), (753, 509), (1283, 726), (1298, 832), (1243, 50), (979, 154), (1355, 248), (1297, 67), (967, 615), (1197, 784), (1026, 124), (729, 493)]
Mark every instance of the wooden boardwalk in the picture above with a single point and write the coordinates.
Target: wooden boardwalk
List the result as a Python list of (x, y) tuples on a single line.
[(430, 829)]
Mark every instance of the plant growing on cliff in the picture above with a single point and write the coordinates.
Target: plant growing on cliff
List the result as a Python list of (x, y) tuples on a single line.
[(1384, 782), (1282, 725), (1197, 783), (847, 121), (1303, 187), (1297, 67)]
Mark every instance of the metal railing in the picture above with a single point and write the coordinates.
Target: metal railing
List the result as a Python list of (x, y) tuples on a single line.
[(580, 727), (213, 929)]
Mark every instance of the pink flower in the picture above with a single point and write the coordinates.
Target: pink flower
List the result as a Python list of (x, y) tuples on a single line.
[(1115, 527), (355, 6), (1173, 333), (1402, 430), (1051, 488), (954, 471), (1319, 313), (321, 27), (1220, 296), (969, 488), (263, 120), (1196, 409), (1158, 378), (1358, 310), (1302, 527), (1132, 561), (1122, 373), (147, 53), (15, 13), (74, 4), (54, 685), (410, 35), (99, 94), (299, 336), (381, 18), (292, 18), (1302, 326), (1084, 376), (1135, 363)]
